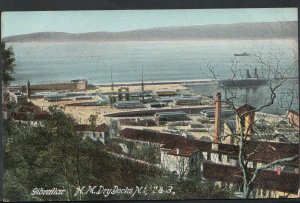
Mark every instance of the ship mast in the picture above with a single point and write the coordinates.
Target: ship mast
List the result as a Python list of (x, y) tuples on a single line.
[(143, 82), (111, 79)]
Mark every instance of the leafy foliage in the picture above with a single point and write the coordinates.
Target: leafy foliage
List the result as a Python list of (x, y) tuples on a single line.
[(52, 155), (93, 120), (8, 62)]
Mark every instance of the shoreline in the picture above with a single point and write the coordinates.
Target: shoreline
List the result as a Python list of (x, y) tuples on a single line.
[(139, 83), (135, 83), (180, 40)]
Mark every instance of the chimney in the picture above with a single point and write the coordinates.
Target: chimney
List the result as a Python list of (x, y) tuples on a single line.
[(248, 74), (28, 89), (217, 121)]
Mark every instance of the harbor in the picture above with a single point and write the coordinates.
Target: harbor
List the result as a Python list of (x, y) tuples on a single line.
[(178, 103), (162, 104), (98, 99)]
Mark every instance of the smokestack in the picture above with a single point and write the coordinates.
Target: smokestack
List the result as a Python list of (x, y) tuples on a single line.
[(248, 74), (217, 132), (255, 73), (28, 89)]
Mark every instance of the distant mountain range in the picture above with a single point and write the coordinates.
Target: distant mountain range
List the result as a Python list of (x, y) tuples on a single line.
[(220, 31)]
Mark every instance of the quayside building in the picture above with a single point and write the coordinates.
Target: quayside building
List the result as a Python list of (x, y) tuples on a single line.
[(218, 160)]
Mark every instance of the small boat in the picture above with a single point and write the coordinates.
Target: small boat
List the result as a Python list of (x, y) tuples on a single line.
[(242, 54)]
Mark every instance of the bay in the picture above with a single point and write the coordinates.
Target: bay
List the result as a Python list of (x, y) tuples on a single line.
[(44, 62), (160, 60)]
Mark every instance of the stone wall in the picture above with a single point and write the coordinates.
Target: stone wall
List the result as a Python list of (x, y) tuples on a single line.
[(175, 164), (146, 151), (74, 86)]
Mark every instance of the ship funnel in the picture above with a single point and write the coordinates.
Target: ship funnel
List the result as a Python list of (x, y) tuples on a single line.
[(255, 73), (248, 74)]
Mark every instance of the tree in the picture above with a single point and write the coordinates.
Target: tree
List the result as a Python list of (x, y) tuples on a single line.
[(276, 74), (93, 122), (49, 155), (24, 146), (115, 127), (65, 149), (52, 155), (8, 64)]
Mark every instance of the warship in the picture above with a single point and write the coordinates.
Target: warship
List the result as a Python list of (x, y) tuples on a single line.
[(249, 81)]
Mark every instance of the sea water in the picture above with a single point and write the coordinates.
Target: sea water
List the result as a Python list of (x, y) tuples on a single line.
[(127, 61), (48, 62)]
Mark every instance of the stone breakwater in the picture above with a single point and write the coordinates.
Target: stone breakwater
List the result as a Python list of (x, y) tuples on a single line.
[(203, 81)]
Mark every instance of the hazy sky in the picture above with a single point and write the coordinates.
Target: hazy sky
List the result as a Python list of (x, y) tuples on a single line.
[(14, 23)]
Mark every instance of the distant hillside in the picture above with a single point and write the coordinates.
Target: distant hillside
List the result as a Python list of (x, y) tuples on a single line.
[(222, 31)]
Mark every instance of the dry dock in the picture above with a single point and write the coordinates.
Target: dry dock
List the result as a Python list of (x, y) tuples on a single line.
[(151, 112)]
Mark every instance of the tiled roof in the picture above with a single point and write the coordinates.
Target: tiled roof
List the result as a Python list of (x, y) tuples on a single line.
[(147, 135), (267, 179), (29, 107), (245, 108), (186, 146), (99, 128), (24, 116), (264, 151), (294, 112), (30, 104), (42, 115), (294, 118)]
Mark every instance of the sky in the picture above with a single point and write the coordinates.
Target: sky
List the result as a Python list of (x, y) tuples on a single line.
[(15, 23)]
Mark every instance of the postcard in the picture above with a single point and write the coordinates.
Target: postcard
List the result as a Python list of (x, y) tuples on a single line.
[(173, 104)]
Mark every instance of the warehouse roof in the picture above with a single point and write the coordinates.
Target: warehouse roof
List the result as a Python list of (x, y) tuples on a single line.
[(262, 151), (99, 128), (267, 179)]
